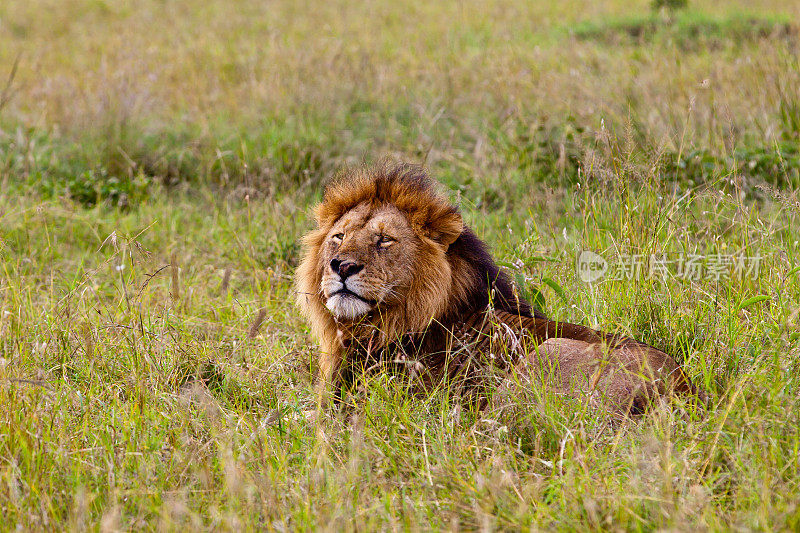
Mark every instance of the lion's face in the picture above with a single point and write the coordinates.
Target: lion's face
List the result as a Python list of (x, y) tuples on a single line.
[(378, 258), (367, 261)]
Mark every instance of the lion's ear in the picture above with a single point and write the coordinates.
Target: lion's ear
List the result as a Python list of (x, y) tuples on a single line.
[(445, 227)]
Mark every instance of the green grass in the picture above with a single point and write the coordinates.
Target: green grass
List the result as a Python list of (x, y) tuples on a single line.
[(157, 163), (689, 31)]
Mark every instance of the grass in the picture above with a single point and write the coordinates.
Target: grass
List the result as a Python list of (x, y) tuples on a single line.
[(689, 30), (157, 162)]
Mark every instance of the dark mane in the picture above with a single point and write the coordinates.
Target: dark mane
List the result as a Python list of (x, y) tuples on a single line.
[(493, 285)]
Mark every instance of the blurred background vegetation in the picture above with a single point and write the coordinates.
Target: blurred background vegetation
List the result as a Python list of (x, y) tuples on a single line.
[(107, 97)]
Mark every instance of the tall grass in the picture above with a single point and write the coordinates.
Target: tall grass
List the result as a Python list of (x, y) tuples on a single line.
[(157, 161), (231, 92)]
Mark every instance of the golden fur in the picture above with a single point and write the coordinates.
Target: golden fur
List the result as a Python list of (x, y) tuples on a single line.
[(391, 269)]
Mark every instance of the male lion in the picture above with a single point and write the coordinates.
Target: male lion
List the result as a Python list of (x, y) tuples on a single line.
[(391, 278)]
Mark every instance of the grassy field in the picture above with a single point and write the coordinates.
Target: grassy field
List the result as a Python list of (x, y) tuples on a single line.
[(157, 163)]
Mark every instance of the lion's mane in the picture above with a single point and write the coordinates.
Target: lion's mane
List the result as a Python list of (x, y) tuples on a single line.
[(451, 281)]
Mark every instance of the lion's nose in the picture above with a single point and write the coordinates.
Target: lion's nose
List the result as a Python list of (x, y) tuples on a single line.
[(345, 268)]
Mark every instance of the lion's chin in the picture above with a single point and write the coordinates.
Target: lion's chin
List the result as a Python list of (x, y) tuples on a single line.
[(347, 306)]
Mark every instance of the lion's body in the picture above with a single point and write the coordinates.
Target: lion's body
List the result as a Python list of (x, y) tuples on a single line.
[(425, 295)]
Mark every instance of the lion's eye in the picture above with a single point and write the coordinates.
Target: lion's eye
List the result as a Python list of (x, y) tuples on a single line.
[(338, 237), (385, 241)]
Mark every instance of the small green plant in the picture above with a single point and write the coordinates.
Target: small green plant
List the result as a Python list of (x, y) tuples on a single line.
[(92, 187)]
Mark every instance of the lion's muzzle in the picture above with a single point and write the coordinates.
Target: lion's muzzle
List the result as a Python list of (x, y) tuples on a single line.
[(346, 297)]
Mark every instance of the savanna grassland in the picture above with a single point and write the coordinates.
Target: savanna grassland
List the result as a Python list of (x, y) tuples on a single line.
[(157, 163)]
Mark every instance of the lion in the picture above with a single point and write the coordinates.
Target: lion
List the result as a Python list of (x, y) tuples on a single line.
[(391, 278)]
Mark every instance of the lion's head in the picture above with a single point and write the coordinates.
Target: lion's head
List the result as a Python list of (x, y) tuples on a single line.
[(390, 252)]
